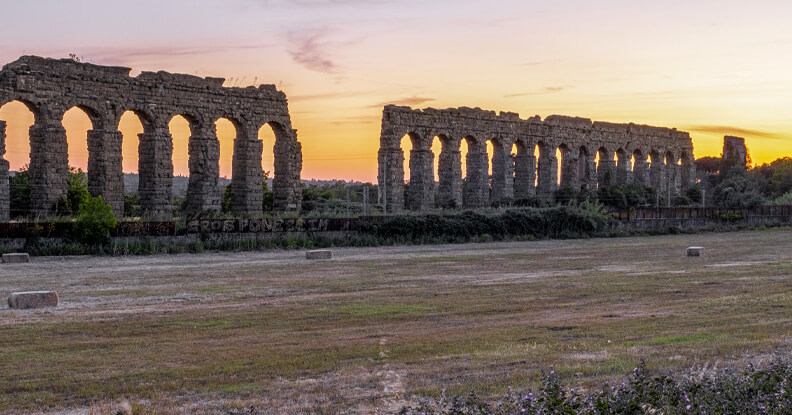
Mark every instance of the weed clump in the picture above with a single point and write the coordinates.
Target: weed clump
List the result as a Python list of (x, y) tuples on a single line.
[(750, 390)]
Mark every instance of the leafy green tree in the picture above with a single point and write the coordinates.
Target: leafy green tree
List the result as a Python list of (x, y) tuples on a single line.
[(77, 192), (94, 223), (781, 180), (132, 206), (738, 188)]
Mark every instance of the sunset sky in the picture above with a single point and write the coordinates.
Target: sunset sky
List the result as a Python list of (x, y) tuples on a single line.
[(708, 67)]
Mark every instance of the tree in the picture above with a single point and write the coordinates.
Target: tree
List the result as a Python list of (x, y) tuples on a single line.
[(76, 194), (94, 223), (737, 188), (708, 164), (781, 180)]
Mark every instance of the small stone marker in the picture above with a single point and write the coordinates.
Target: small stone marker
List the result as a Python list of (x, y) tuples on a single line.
[(15, 258), (694, 251), (33, 299), (323, 254)]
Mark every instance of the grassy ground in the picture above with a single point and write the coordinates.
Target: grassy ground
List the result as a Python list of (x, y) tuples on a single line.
[(379, 327)]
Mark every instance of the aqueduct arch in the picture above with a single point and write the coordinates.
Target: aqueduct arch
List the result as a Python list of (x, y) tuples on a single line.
[(621, 149), (49, 87)]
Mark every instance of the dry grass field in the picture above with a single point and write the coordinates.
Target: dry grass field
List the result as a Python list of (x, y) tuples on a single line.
[(375, 328)]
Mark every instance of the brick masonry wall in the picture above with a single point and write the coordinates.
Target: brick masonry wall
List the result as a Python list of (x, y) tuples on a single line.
[(580, 140), (50, 87)]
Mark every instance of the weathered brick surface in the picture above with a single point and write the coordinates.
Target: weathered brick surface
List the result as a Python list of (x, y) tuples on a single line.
[(50, 87), (580, 141), (33, 299)]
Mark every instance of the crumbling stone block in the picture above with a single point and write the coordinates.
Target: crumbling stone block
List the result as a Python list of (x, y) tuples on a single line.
[(735, 151), (319, 254), (33, 299), (19, 258)]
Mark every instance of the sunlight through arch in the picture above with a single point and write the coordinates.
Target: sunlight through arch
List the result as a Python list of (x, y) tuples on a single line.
[(463, 149), (19, 118), (76, 122), (267, 136), (406, 146), (180, 133), (131, 127)]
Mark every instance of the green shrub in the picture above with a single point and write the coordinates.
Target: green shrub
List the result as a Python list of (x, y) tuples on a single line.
[(784, 200), (76, 194), (94, 222), (537, 222), (132, 206)]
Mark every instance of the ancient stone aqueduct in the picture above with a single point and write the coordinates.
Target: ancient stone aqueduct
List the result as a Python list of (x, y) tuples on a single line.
[(623, 151), (592, 153), (50, 87)]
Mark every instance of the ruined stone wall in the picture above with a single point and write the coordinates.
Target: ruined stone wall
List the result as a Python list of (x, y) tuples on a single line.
[(50, 87), (735, 151), (579, 140)]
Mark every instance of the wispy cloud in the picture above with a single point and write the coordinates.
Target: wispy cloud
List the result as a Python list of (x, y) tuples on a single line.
[(729, 130), (408, 101), (356, 120), (308, 49), (544, 91), (126, 56), (331, 95), (538, 63)]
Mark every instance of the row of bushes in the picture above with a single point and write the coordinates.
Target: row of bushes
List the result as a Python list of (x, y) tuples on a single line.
[(560, 221), (751, 390)]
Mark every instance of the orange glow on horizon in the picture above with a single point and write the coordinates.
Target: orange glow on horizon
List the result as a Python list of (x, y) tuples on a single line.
[(346, 159)]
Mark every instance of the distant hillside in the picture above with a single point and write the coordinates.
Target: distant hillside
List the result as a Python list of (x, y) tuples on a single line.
[(180, 184)]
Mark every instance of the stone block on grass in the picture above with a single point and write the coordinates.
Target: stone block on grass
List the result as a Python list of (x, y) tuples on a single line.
[(321, 254), (694, 251), (16, 258), (33, 299)]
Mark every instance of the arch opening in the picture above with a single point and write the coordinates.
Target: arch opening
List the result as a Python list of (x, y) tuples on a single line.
[(604, 170), (515, 151), (131, 126), (562, 175), (436, 149), (266, 134), (18, 118), (464, 149), (77, 123), (180, 131), (537, 153), (490, 157)]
